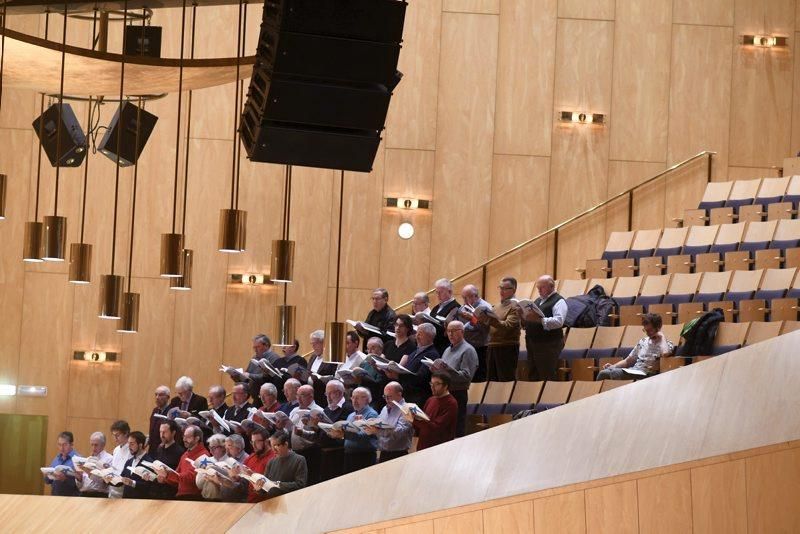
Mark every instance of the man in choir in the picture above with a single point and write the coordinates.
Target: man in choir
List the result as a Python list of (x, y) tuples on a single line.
[(303, 436), (161, 408), (392, 442), (544, 337), (504, 323), (134, 486), (290, 388), (210, 486), (257, 462), (415, 385), (381, 316), (447, 308), (645, 356), (360, 448), (353, 356), (459, 363), (291, 361), (475, 332), (442, 410), (187, 402), (288, 469), (254, 374), (93, 485), (372, 378), (269, 398), (185, 475), (315, 361), (64, 485), (216, 402), (234, 446), (239, 411), (120, 431), (421, 303), (404, 342), (170, 453), (332, 450)]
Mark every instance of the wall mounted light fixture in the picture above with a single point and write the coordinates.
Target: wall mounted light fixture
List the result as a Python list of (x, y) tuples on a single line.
[(96, 356), (765, 41), (582, 117), (250, 279), (32, 391), (407, 203)]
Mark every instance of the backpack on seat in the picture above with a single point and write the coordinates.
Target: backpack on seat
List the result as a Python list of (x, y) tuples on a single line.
[(591, 309)]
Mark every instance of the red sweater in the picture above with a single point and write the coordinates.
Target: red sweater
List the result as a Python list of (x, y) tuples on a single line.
[(258, 464), (185, 479), (443, 412)]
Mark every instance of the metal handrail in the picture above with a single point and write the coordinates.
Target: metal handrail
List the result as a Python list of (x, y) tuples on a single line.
[(709, 153)]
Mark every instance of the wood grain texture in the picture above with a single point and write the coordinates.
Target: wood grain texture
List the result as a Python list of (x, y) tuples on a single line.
[(514, 518), (700, 87), (665, 503), (612, 508), (525, 77), (772, 490), (463, 147), (709, 13), (561, 513), (640, 100), (719, 500), (472, 6), (468, 522), (95, 389), (579, 9)]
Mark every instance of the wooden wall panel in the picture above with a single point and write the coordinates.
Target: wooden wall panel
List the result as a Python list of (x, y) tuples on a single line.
[(578, 241), (463, 144), (719, 500), (773, 491), (665, 503), (795, 141), (94, 389), (612, 508), (422, 527), (249, 311), (709, 13), (685, 187), (525, 76), (519, 187), (526, 265), (580, 9), (471, 6), (353, 304), (466, 522), (749, 173), (700, 88), (761, 98), (640, 101), (514, 518), (563, 514), (411, 122), (583, 83), (82, 428), (623, 175)]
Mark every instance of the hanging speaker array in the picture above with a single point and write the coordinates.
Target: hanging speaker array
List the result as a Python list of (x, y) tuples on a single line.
[(322, 82)]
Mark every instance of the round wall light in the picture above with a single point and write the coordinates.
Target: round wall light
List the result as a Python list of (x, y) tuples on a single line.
[(405, 230)]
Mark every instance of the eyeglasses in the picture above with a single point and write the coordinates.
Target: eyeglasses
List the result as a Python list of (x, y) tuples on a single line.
[(504, 288), (436, 384)]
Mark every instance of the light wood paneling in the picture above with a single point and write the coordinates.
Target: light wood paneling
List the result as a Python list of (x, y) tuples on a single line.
[(612, 508), (796, 101), (94, 389), (353, 303), (761, 98), (578, 241), (514, 518), (472, 6), (564, 514), (526, 265), (749, 173), (580, 9), (700, 94), (422, 527), (640, 103), (773, 492), (82, 428), (249, 311), (463, 144), (709, 13), (583, 83), (519, 190), (648, 201), (411, 122), (623, 175), (525, 77), (665, 503), (719, 500), (468, 522)]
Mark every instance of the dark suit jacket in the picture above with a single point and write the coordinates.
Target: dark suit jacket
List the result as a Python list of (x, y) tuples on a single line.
[(339, 414), (417, 387), (441, 342), (232, 414), (142, 489), (197, 403), (154, 437)]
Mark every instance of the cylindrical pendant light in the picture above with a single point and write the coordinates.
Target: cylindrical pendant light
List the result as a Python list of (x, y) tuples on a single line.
[(55, 238), (282, 267), (32, 249), (171, 255), (284, 325), (337, 330), (335, 338), (3, 177), (3, 189), (129, 319), (233, 221), (111, 288), (184, 283), (80, 263)]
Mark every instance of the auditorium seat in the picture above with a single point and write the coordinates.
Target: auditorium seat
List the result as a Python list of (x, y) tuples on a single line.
[(672, 332), (715, 195), (669, 363), (786, 208), (583, 389), (525, 395), (652, 293), (743, 193), (790, 326), (728, 238), (617, 248), (698, 241), (693, 217), (554, 393), (792, 194), (670, 244), (682, 289), (773, 286), (631, 336), (761, 331), (757, 237), (771, 191), (642, 248), (730, 336), (625, 293), (571, 288), (475, 396), (606, 283), (494, 401), (743, 286), (785, 309), (575, 348), (605, 344), (613, 384), (713, 286)]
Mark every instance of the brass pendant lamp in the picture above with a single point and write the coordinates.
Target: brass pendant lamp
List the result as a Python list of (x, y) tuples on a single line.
[(3, 177), (282, 265), (336, 330)]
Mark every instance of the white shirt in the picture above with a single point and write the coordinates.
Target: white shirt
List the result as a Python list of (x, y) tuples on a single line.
[(559, 315), (353, 361), (300, 442), (121, 455), (317, 362), (93, 483)]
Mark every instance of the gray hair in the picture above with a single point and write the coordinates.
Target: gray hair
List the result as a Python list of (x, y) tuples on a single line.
[(318, 335), (236, 440), (365, 391), (216, 439), (337, 385), (458, 325), (184, 382), (293, 382), (196, 432), (445, 283), (471, 289), (270, 388), (98, 435), (263, 339), (422, 295), (547, 279), (162, 389), (376, 340), (217, 390), (428, 328)]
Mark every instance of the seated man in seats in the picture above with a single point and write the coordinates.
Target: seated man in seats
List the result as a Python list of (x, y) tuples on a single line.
[(643, 360)]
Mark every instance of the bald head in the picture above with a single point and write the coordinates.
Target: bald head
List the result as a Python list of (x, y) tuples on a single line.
[(545, 285), (305, 396)]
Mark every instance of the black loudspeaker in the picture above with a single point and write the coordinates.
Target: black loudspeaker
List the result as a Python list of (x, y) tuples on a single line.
[(142, 41), (73, 141), (125, 128), (322, 82)]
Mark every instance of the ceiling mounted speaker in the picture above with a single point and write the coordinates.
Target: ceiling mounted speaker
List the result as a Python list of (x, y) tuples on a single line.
[(32, 249), (80, 263)]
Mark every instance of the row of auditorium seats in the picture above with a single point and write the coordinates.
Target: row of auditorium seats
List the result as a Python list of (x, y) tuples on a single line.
[(746, 201), (735, 246), (761, 295), (492, 403)]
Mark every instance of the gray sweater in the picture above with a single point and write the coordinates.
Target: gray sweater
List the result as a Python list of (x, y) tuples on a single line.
[(464, 361), (290, 471)]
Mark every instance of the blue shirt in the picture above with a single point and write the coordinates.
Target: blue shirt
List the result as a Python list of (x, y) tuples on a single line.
[(359, 441), (65, 488)]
